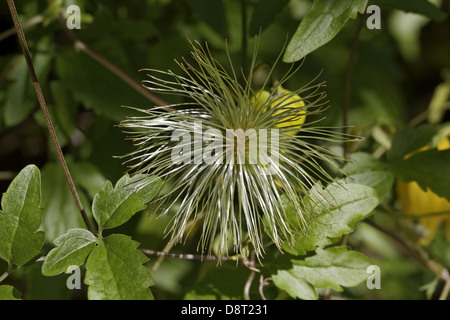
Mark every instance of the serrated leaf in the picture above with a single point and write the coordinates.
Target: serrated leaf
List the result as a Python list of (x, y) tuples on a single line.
[(423, 7), (334, 268), (344, 206), (368, 171), (115, 271), (9, 293), (264, 14), (21, 217), (115, 206), (321, 24), (72, 250)]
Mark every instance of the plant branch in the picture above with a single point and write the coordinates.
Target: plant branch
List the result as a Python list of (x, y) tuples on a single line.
[(30, 22), (4, 276), (262, 283), (253, 270), (418, 255), (42, 104), (148, 252), (81, 46), (7, 273), (348, 80), (431, 265), (446, 290)]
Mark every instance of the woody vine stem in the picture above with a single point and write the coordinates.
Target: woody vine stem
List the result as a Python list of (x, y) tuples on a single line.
[(43, 105), (81, 46)]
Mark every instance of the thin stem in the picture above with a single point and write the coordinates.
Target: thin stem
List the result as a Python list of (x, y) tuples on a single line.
[(248, 283), (4, 276), (262, 283), (158, 262), (244, 35), (431, 265), (424, 215), (148, 252), (81, 46), (7, 175), (42, 104), (446, 290), (30, 22), (7, 273), (348, 81)]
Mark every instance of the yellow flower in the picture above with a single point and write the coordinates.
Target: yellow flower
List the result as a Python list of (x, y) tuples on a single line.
[(417, 202), (282, 100)]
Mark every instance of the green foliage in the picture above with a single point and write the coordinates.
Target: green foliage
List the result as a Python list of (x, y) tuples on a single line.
[(212, 12), (320, 25), (102, 91), (423, 7), (264, 13), (409, 140), (342, 207), (368, 171), (334, 268), (223, 283), (115, 206), (395, 72), (430, 168), (21, 217), (115, 271), (20, 102), (9, 293), (60, 211), (72, 250)]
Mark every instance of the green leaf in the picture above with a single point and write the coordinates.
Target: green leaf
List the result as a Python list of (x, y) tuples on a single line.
[(60, 210), (9, 293), (72, 250), (87, 176), (423, 7), (212, 12), (343, 207), (115, 206), (21, 98), (41, 288), (408, 140), (264, 14), (334, 268), (20, 218), (96, 87), (115, 271), (321, 24), (65, 109), (368, 171), (224, 283), (430, 169)]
